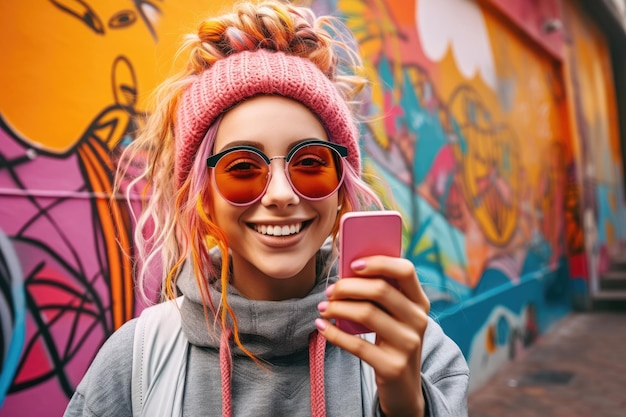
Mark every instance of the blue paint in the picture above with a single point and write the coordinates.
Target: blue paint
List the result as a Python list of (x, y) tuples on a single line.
[(609, 216), (424, 126), (16, 343), (538, 255), (491, 278), (503, 331), (464, 322)]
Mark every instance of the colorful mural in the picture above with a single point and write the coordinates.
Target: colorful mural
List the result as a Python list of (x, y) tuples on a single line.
[(473, 144), (600, 229), (70, 100), (478, 133)]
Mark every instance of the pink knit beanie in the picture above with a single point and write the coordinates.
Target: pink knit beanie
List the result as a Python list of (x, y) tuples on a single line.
[(262, 72)]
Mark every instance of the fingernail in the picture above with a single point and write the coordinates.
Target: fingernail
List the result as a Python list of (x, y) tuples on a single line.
[(322, 306), (320, 324), (358, 265), (329, 290)]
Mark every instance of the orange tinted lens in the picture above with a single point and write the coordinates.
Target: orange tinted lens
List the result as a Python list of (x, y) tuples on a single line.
[(315, 171), (241, 176)]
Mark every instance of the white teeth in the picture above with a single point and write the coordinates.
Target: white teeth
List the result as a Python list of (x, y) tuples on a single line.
[(279, 230)]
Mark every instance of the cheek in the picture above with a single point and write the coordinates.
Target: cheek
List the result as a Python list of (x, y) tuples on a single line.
[(225, 216), (217, 208)]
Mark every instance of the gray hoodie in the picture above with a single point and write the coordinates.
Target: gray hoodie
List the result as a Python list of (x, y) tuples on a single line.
[(277, 332)]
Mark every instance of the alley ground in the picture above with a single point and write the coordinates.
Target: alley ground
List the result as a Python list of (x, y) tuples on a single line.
[(578, 368)]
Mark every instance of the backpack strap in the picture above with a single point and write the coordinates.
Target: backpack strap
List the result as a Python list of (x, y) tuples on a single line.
[(368, 380), (159, 355)]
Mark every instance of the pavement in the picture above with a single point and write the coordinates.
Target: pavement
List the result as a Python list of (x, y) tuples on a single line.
[(577, 368)]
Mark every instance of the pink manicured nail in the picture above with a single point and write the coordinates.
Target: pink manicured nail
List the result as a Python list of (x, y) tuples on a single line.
[(320, 324), (329, 290), (358, 265), (322, 306)]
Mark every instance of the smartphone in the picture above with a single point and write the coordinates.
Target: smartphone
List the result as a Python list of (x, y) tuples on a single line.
[(367, 233)]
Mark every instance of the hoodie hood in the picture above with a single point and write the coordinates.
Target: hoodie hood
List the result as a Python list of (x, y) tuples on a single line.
[(267, 328)]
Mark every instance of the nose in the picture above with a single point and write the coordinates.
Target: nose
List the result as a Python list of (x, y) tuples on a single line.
[(279, 192)]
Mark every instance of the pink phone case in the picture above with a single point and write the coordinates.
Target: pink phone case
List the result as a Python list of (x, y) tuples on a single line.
[(367, 233)]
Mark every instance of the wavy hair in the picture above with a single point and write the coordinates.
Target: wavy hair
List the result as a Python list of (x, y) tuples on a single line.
[(175, 224)]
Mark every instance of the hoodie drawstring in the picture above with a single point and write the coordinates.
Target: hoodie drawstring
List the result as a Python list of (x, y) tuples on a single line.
[(226, 368), (317, 349)]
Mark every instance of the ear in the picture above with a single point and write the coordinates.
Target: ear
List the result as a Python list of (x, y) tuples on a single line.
[(342, 207)]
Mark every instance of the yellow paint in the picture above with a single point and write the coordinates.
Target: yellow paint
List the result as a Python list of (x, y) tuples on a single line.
[(62, 73), (595, 91)]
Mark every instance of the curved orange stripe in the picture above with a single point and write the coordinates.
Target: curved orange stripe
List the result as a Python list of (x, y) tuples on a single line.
[(114, 226)]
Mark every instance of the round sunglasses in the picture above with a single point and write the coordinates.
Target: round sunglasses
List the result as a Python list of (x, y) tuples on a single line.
[(313, 167)]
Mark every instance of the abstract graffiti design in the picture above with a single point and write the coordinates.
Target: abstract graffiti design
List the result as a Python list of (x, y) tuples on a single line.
[(488, 156), (76, 280), (12, 309), (70, 240)]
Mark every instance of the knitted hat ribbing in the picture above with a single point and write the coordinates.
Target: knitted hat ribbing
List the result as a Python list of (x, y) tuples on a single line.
[(262, 72)]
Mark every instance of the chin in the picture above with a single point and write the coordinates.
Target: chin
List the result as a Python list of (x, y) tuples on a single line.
[(285, 265), (282, 273)]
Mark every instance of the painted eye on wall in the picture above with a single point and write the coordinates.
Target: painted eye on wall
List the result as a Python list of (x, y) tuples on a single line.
[(122, 19)]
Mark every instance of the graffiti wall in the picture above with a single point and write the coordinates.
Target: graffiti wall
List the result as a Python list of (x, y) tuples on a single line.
[(473, 144), (480, 125), (602, 223), (79, 72)]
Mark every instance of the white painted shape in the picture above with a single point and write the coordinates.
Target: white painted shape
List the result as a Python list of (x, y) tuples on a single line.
[(456, 24), (483, 365), (151, 13)]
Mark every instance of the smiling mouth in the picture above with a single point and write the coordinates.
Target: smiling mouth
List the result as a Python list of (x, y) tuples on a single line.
[(279, 230)]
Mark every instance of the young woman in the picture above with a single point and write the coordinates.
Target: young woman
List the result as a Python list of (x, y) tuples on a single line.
[(252, 157)]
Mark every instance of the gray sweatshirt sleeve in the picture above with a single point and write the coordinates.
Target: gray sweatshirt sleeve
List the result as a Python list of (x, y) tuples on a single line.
[(445, 375), (105, 388)]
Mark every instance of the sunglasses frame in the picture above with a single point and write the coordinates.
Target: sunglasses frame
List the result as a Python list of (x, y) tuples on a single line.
[(341, 151)]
